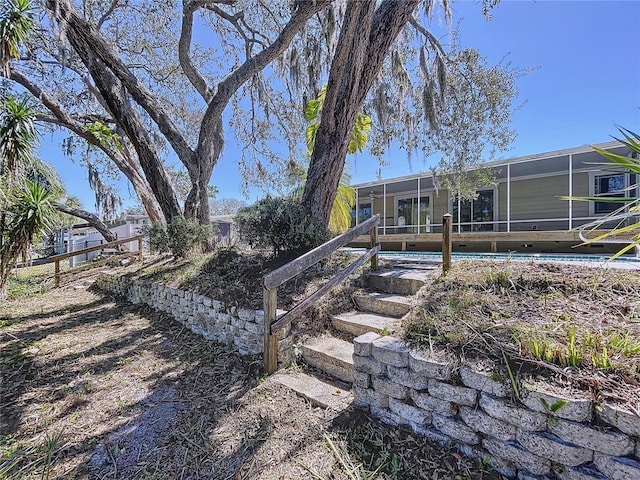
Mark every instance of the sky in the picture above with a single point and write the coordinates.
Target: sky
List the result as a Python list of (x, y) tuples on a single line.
[(585, 82)]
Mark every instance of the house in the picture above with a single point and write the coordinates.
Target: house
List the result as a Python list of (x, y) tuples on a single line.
[(82, 235), (523, 210)]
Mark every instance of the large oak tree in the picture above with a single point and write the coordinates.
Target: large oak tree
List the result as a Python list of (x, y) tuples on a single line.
[(105, 55), (136, 82)]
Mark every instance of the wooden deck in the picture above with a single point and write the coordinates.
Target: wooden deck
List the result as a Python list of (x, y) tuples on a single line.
[(530, 241)]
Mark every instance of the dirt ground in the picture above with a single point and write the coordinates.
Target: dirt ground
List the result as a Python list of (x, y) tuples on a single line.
[(572, 327), (93, 388)]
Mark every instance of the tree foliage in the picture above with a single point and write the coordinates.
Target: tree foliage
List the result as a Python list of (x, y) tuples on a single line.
[(281, 224), (134, 81), (226, 206), (312, 113)]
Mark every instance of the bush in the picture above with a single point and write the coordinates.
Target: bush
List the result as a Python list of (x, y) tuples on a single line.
[(181, 236), (281, 224)]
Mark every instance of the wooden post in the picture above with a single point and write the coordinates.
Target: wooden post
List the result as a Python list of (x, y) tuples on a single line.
[(56, 275), (374, 242), (270, 305), (446, 242), (140, 250)]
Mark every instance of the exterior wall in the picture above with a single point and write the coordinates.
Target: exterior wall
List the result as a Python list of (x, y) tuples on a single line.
[(459, 406), (440, 206), (581, 188), (236, 327), (537, 198)]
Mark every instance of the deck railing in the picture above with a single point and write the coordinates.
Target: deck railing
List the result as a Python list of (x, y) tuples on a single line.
[(58, 258), (271, 282)]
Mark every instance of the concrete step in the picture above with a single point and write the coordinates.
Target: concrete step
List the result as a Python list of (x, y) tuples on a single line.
[(320, 391), (331, 356), (359, 323), (399, 281), (383, 303)]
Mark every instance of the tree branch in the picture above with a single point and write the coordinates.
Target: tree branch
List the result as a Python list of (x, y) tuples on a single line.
[(84, 32), (428, 35), (90, 218), (304, 11), (105, 17), (184, 46)]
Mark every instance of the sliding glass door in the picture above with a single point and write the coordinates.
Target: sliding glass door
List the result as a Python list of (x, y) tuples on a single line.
[(475, 215), (410, 214)]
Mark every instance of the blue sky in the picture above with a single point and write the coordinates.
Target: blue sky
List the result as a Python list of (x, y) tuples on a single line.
[(586, 82)]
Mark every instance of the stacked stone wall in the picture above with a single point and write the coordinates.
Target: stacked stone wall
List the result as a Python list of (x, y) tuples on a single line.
[(543, 435), (240, 328)]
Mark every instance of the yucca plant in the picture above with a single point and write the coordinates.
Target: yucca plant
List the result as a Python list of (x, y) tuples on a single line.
[(29, 213), (627, 217), (18, 135), (16, 24)]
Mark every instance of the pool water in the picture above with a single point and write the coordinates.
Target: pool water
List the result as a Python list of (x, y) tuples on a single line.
[(437, 256), (509, 256)]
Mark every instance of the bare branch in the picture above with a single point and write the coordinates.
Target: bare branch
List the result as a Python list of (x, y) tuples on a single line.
[(428, 35), (184, 45), (107, 14), (92, 219)]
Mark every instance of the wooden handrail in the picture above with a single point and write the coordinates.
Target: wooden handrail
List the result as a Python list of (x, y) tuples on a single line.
[(294, 267), (57, 258), (291, 315), (276, 278), (102, 246)]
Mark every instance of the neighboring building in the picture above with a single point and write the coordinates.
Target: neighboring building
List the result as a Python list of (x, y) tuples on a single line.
[(80, 236), (522, 211), (224, 229)]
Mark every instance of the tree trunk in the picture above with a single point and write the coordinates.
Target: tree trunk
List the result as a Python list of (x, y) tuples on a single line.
[(86, 41), (113, 77), (90, 218), (123, 160), (364, 42)]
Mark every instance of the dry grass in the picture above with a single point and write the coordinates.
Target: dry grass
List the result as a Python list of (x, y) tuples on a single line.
[(93, 388), (579, 326), (235, 277)]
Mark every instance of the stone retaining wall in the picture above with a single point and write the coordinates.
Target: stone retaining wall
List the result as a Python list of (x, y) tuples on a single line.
[(543, 436), (237, 327)]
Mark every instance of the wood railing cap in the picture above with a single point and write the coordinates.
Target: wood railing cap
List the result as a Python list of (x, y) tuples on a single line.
[(286, 272), (62, 256)]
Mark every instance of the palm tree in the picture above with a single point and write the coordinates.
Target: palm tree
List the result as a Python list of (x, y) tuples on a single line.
[(18, 137)]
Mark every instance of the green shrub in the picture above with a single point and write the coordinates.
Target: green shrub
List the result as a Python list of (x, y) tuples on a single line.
[(181, 237), (281, 224)]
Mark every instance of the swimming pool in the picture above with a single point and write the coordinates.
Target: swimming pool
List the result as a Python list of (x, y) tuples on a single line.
[(550, 257)]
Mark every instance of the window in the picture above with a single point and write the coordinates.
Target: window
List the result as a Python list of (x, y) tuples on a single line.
[(364, 213), (407, 213), (612, 185), (475, 215)]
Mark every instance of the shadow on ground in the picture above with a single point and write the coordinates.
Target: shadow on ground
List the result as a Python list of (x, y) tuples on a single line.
[(100, 389)]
